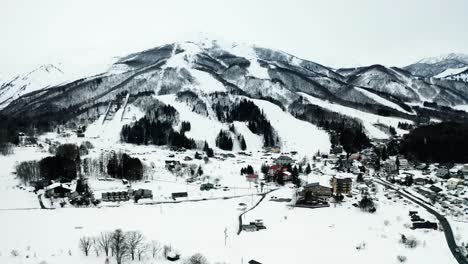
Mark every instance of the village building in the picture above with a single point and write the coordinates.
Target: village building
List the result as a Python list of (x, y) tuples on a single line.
[(443, 172), (284, 160), (171, 164), (338, 149), (57, 190), (419, 180), (404, 164), (389, 166), (453, 183), (275, 149), (341, 184), (317, 190), (252, 177)]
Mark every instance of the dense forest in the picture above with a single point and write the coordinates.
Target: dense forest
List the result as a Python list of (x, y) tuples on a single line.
[(443, 142), (156, 128), (247, 111), (345, 130), (224, 140), (122, 166)]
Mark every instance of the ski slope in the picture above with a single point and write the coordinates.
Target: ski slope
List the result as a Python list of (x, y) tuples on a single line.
[(451, 71), (368, 119), (293, 133), (382, 100), (109, 131), (202, 127)]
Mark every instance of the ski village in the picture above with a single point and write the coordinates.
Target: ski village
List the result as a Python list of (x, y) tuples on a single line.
[(203, 152)]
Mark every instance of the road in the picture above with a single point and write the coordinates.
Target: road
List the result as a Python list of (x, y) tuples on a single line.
[(442, 220), (253, 207)]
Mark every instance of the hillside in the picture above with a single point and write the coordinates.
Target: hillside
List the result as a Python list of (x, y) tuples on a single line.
[(199, 77)]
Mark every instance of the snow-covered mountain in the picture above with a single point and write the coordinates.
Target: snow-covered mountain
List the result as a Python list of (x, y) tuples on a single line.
[(403, 85), (438, 66), (199, 76), (40, 78)]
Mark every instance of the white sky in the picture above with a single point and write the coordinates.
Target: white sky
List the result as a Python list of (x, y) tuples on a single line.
[(330, 32)]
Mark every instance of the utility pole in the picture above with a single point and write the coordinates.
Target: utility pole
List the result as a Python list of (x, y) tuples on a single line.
[(225, 236)]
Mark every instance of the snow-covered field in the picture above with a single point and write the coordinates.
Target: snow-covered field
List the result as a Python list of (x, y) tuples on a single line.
[(333, 234), (293, 235)]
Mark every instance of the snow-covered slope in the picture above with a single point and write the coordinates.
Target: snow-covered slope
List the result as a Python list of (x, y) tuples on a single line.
[(368, 120), (451, 71), (42, 77), (433, 66), (382, 100), (295, 134), (210, 68)]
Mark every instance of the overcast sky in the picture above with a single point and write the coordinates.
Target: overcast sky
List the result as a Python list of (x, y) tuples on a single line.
[(330, 32)]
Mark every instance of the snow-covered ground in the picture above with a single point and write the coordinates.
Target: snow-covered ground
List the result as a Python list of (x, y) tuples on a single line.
[(333, 234), (191, 227), (11, 197)]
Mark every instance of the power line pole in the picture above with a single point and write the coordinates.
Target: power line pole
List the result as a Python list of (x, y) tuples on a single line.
[(225, 236)]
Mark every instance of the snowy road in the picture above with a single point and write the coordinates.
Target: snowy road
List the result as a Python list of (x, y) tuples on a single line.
[(442, 220)]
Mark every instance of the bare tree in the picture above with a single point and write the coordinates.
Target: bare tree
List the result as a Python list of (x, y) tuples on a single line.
[(197, 259), (85, 244), (142, 249), (104, 241), (135, 239), (96, 246), (119, 245), (155, 248)]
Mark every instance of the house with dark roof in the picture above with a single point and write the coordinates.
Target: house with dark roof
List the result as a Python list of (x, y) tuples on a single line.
[(284, 160), (57, 190), (317, 190)]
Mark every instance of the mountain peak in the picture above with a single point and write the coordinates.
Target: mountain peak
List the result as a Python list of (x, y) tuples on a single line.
[(451, 56)]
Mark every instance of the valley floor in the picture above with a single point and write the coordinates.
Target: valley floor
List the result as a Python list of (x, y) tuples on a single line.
[(337, 234)]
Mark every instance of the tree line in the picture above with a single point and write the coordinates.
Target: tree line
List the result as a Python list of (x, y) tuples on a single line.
[(126, 246), (442, 142)]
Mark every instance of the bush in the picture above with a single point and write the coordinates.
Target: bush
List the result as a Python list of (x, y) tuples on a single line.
[(366, 204), (197, 259), (401, 258)]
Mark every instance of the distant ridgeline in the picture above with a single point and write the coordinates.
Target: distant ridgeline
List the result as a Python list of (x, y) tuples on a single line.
[(443, 142)]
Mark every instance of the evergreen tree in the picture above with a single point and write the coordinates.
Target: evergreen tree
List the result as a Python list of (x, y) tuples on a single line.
[(384, 153), (243, 145), (308, 170), (360, 178), (224, 140), (209, 151), (113, 166)]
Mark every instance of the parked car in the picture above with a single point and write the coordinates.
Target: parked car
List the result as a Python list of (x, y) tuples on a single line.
[(206, 187)]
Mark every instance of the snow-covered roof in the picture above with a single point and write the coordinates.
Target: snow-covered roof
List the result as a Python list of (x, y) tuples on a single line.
[(57, 184)]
